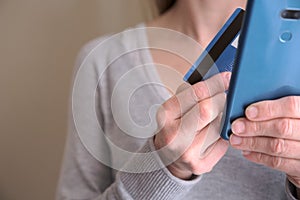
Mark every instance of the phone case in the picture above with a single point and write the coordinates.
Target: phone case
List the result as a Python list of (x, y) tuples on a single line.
[(268, 60)]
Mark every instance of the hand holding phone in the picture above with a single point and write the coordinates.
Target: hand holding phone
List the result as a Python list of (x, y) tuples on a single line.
[(263, 101), (268, 62)]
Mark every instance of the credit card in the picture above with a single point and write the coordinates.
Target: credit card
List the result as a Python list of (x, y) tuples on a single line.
[(219, 56)]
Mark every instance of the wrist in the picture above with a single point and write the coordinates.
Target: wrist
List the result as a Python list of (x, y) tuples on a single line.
[(181, 174), (175, 171)]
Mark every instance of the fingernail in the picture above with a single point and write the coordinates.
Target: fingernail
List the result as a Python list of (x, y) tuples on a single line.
[(228, 76), (238, 127), (252, 112), (246, 153), (235, 140)]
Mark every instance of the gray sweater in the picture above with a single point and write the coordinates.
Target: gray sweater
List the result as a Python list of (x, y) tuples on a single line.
[(109, 152)]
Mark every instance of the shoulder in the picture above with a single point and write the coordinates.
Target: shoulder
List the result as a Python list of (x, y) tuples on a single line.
[(104, 48)]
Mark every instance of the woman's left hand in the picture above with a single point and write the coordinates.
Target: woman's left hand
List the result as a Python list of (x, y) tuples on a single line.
[(270, 135)]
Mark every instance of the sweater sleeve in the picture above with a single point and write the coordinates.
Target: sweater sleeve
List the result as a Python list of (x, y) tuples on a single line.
[(84, 177)]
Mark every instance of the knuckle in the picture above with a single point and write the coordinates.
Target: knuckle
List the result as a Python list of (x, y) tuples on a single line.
[(269, 109), (277, 146), (188, 158), (170, 104), (168, 134), (252, 143), (276, 162), (161, 117), (284, 127), (167, 140), (256, 127), (198, 91), (259, 157), (293, 104), (204, 111)]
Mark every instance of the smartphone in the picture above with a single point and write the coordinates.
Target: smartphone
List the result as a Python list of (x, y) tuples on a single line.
[(219, 56), (267, 66)]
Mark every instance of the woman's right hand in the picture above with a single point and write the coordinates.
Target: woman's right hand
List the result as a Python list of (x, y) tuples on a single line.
[(188, 123)]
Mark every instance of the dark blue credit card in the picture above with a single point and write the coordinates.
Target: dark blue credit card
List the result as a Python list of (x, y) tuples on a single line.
[(219, 56)]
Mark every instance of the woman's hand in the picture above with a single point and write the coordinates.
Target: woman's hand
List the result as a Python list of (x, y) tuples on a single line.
[(270, 135), (188, 123)]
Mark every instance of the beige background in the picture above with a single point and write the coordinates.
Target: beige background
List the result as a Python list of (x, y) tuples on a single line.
[(39, 41)]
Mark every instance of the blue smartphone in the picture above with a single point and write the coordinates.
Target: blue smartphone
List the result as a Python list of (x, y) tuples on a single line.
[(219, 56), (268, 62)]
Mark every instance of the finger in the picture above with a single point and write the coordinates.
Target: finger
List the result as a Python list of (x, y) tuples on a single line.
[(280, 108), (267, 145), (182, 87), (195, 120), (210, 134), (182, 102), (206, 137), (191, 161), (202, 142), (201, 115), (215, 153), (199, 163), (287, 165), (284, 128)]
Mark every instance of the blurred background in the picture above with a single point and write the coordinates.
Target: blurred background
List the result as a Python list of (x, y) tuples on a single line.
[(39, 42)]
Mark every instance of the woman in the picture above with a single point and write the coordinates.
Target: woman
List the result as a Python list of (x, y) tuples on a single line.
[(181, 159)]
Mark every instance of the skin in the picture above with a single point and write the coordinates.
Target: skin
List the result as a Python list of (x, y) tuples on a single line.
[(193, 114), (186, 120), (271, 137)]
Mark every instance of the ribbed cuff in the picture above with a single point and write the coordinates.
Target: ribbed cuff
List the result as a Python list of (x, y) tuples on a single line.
[(153, 184), (291, 190)]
